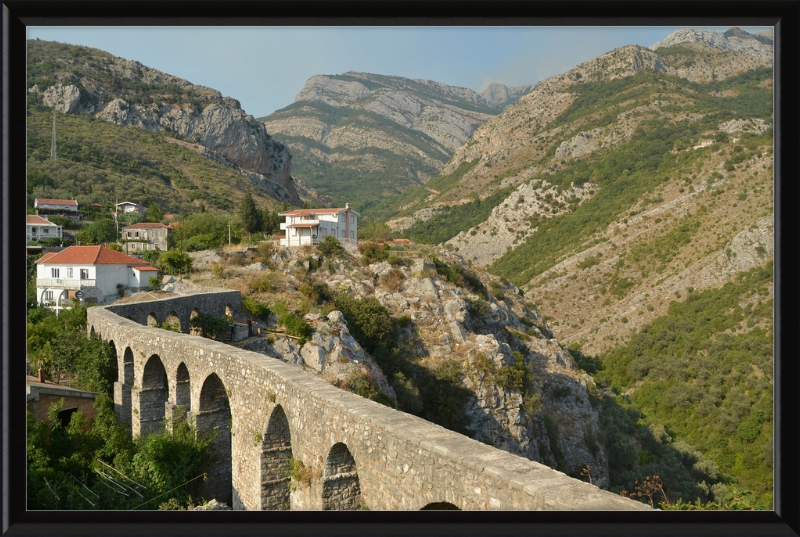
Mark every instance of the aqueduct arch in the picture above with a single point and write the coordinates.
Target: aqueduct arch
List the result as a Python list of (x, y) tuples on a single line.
[(265, 411)]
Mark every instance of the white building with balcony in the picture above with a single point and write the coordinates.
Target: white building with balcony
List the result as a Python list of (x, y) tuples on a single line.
[(39, 228), (98, 272), (311, 226)]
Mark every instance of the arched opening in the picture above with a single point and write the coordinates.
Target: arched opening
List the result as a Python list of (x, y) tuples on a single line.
[(214, 414), (152, 320), (174, 320), (122, 388), (114, 358), (193, 330), (276, 450), (183, 389), (440, 506), (229, 310), (153, 395), (341, 490)]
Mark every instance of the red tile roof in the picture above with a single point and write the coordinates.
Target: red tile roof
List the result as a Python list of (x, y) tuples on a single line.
[(33, 219), (45, 257), (46, 201), (91, 255), (147, 225), (306, 212)]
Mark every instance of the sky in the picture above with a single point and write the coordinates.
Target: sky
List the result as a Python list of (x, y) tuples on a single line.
[(266, 67)]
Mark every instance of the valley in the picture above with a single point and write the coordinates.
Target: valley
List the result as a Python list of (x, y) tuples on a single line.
[(577, 271)]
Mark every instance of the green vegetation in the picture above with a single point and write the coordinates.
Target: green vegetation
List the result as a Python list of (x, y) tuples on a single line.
[(461, 277), (433, 393), (454, 219), (210, 325), (625, 175), (160, 470), (703, 376), (330, 247)]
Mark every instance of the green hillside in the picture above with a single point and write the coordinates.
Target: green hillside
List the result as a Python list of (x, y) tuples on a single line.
[(99, 162)]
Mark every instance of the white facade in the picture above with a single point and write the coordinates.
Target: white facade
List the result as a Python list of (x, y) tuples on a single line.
[(40, 228), (130, 207), (56, 282), (311, 226)]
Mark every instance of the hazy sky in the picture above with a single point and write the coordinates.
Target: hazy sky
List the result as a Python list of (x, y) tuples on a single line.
[(266, 67)]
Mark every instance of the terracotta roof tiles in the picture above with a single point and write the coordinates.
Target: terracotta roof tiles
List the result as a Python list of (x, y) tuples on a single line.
[(91, 255)]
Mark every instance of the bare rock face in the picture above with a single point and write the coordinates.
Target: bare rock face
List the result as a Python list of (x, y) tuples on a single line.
[(216, 122), (65, 99), (738, 41)]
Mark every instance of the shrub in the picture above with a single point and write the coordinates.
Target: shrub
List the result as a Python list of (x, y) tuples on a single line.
[(261, 284), (255, 308), (372, 252), (295, 326), (210, 326), (393, 280), (153, 283), (331, 247), (368, 320)]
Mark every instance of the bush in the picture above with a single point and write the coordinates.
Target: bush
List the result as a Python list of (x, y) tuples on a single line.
[(153, 283), (330, 247), (393, 280), (372, 252), (255, 308), (210, 326)]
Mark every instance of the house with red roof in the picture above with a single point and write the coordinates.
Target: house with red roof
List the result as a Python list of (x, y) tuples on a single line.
[(145, 236), (99, 273), (68, 208), (311, 226), (39, 228)]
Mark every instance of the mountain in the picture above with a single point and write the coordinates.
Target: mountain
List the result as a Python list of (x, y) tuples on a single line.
[(631, 200), (360, 137), (91, 82)]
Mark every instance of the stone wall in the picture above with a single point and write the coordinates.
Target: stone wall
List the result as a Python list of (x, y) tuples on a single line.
[(399, 461)]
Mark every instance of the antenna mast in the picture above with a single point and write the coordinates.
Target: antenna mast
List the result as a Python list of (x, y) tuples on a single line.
[(53, 144)]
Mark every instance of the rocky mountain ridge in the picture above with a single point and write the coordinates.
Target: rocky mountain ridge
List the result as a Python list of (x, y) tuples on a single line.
[(734, 40), (389, 130), (80, 80)]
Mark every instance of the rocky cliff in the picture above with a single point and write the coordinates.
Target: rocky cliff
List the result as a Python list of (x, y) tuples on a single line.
[(548, 414), (79, 80), (359, 136)]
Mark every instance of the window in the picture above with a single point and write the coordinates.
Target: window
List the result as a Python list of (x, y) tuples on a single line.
[(54, 273), (137, 233), (47, 295), (84, 274), (33, 230), (45, 230), (69, 272), (129, 234)]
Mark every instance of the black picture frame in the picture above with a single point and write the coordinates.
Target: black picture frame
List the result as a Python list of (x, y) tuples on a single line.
[(783, 15)]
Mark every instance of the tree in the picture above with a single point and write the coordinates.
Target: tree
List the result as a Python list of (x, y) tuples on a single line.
[(249, 216), (271, 222), (330, 247), (153, 213), (177, 261), (99, 232), (209, 325)]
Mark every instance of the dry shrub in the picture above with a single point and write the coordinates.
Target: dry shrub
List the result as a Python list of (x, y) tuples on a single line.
[(393, 280)]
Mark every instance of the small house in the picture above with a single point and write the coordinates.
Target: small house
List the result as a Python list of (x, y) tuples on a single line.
[(99, 273), (67, 208), (39, 228), (311, 226), (130, 207), (145, 236), (40, 395)]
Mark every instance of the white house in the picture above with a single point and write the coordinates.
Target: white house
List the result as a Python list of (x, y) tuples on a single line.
[(96, 271), (67, 208), (130, 207), (41, 228), (54, 205), (311, 226)]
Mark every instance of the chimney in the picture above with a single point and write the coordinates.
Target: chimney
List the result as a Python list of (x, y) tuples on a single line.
[(346, 205), (41, 375)]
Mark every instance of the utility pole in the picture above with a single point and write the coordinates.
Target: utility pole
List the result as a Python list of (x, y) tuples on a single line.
[(53, 143)]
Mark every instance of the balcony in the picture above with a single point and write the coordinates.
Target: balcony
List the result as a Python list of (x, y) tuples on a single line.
[(63, 283)]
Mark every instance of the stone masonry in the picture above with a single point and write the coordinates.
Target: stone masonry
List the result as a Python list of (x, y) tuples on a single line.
[(357, 452)]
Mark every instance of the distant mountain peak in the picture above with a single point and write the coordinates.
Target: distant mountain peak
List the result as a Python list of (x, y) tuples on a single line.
[(734, 40)]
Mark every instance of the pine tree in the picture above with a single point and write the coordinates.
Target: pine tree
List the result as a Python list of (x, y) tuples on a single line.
[(249, 215)]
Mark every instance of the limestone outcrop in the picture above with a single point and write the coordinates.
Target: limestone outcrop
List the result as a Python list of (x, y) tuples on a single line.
[(171, 104)]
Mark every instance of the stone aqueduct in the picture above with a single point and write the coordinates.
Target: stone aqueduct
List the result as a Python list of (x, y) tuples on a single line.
[(266, 412)]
